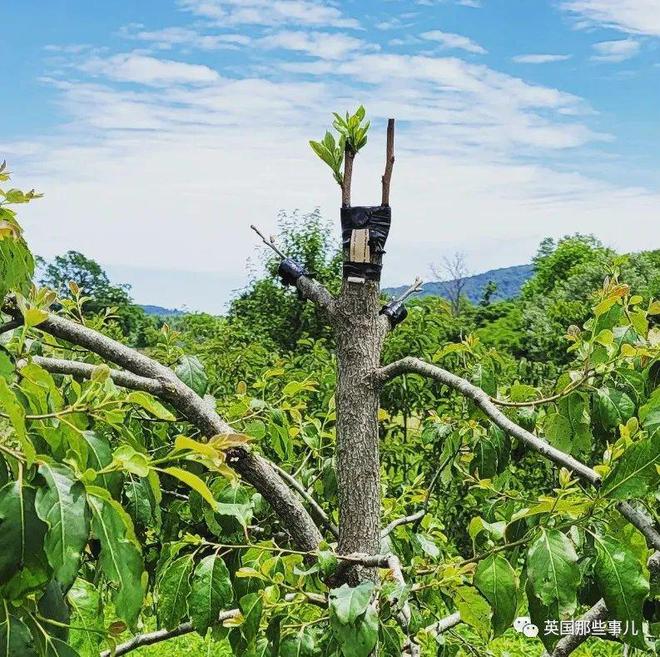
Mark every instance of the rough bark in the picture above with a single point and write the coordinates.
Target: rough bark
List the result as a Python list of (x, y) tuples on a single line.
[(359, 341)]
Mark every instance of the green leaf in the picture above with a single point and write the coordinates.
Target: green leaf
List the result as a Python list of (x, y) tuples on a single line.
[(194, 482), (211, 592), (173, 591), (475, 611), (484, 463), (359, 638), (348, 603), (150, 404), (301, 644), (483, 377), (191, 371), (9, 405), (99, 456), (85, 602), (635, 473), (57, 648), (132, 461), (497, 582), (120, 560), (21, 532), (553, 572), (557, 430), (15, 637), (61, 504), (53, 606), (251, 606), (614, 407), (623, 584)]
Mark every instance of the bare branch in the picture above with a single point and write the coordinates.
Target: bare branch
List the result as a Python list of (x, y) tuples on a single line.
[(413, 289), (405, 520), (349, 156), (570, 642), (483, 401), (404, 616), (10, 325), (85, 370), (640, 521), (308, 287), (389, 163), (316, 508), (150, 638), (444, 624), (269, 243)]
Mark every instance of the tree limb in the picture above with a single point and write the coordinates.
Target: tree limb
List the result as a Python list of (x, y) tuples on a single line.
[(85, 370), (405, 520), (570, 642), (389, 163), (254, 469), (640, 521), (444, 624), (150, 638), (349, 156), (483, 401), (316, 507), (10, 325)]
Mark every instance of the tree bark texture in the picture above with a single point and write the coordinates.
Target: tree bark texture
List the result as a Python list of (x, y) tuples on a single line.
[(359, 341)]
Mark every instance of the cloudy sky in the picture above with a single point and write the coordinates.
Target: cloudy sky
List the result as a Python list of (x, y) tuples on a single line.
[(159, 130)]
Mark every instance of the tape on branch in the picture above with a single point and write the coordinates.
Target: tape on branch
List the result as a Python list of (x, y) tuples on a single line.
[(364, 233)]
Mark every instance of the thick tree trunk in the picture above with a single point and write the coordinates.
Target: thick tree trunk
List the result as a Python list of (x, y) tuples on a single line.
[(358, 463)]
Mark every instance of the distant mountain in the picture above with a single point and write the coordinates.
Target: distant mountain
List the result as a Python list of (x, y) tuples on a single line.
[(161, 312), (509, 280)]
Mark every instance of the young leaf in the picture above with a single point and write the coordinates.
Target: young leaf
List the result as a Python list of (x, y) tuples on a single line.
[(211, 592), (9, 404), (475, 611), (194, 482), (348, 603), (251, 606), (614, 407), (635, 473), (151, 405), (623, 584), (497, 582), (62, 505)]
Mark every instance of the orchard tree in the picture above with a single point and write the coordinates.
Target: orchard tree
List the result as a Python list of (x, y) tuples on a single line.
[(135, 507)]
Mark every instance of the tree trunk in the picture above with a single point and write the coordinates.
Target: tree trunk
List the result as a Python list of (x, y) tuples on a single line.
[(359, 344)]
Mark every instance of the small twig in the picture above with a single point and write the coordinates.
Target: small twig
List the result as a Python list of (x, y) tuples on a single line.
[(269, 243), (316, 508), (389, 163), (405, 520), (413, 289)]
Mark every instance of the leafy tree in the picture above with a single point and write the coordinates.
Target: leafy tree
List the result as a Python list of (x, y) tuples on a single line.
[(285, 516)]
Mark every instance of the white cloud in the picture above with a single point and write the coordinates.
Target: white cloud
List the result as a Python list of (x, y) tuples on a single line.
[(615, 51), (170, 37), (323, 45), (539, 59), (455, 41), (633, 16), (270, 12), (132, 67)]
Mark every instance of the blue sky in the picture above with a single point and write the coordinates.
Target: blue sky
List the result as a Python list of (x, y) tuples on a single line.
[(160, 130)]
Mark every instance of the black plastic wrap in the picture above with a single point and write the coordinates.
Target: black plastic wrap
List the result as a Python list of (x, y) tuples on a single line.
[(290, 271), (377, 221)]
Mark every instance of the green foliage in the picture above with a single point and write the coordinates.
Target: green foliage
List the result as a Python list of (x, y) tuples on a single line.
[(116, 518), (351, 138)]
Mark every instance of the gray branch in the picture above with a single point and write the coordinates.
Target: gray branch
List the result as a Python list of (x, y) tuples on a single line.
[(405, 520), (483, 401), (148, 639), (570, 642), (254, 469), (85, 370), (317, 293), (642, 523), (314, 505), (445, 624)]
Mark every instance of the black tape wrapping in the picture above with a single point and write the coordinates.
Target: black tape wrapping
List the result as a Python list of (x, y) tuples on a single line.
[(396, 312), (377, 221), (290, 271)]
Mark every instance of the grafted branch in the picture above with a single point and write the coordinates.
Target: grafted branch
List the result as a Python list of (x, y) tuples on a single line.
[(389, 163), (308, 287), (483, 401), (349, 156)]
